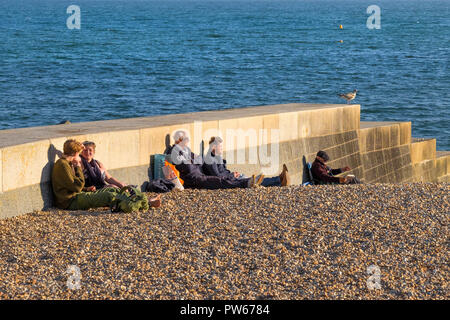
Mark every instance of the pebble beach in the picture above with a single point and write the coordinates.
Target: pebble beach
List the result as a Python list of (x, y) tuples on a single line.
[(296, 242)]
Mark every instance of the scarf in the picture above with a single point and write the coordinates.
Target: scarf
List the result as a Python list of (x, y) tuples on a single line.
[(212, 158), (92, 174)]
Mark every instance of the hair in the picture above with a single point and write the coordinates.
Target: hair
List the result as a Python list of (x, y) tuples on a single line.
[(180, 134), (89, 144), (215, 140), (72, 146), (323, 155)]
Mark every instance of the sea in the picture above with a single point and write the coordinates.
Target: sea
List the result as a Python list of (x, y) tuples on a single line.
[(111, 59)]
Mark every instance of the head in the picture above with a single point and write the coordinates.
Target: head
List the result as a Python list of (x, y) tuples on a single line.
[(215, 145), (72, 148), (322, 156), (181, 138), (89, 150)]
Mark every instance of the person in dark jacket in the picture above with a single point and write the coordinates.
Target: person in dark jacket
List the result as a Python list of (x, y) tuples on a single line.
[(325, 175), (190, 167), (95, 174), (216, 165), (68, 182)]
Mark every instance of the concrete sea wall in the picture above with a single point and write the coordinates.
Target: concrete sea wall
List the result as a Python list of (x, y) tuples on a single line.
[(255, 139)]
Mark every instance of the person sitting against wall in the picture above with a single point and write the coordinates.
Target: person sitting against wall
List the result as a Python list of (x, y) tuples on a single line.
[(68, 183), (215, 165), (190, 167), (95, 174), (326, 175)]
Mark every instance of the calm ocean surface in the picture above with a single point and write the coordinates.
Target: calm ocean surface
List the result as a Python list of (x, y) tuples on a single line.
[(139, 58)]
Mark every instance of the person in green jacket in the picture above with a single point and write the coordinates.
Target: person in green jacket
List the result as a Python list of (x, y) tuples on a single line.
[(68, 182)]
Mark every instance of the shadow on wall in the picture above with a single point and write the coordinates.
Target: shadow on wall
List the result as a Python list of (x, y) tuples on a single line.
[(46, 184), (167, 142), (306, 175)]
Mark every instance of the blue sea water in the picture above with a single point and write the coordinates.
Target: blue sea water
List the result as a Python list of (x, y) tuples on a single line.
[(137, 58)]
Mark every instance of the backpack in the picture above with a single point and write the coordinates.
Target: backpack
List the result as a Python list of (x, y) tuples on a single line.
[(128, 200), (158, 185), (157, 162)]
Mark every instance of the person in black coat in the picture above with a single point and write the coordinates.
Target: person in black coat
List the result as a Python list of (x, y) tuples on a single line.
[(216, 165), (190, 167), (323, 174)]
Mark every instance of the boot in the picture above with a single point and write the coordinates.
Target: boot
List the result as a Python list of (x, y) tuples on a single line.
[(255, 181), (259, 179), (251, 181), (284, 177), (155, 202)]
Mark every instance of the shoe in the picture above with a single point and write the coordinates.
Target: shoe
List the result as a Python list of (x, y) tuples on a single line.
[(286, 181), (259, 179), (155, 202), (284, 177), (251, 181), (255, 181), (283, 172), (145, 186)]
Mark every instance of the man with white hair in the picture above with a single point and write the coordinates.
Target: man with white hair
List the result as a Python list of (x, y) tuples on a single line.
[(180, 151), (190, 167)]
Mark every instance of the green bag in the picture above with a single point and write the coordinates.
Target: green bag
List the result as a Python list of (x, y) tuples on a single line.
[(128, 200)]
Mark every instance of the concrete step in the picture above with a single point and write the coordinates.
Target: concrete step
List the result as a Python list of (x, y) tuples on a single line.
[(422, 150), (382, 135), (443, 166), (442, 154), (385, 151)]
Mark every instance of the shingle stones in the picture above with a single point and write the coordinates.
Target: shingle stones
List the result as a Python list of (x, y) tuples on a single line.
[(378, 241)]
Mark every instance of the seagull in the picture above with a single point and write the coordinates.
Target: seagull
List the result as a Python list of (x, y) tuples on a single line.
[(348, 96)]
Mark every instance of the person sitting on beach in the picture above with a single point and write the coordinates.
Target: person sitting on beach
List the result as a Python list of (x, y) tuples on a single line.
[(216, 165), (95, 174), (325, 175), (68, 183), (190, 167)]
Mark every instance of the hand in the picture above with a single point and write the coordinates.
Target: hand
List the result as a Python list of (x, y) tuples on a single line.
[(347, 169), (344, 180), (76, 162), (171, 175), (236, 174), (155, 202), (111, 186), (91, 189)]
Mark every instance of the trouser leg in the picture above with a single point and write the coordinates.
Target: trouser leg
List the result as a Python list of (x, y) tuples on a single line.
[(87, 200), (212, 182), (271, 182), (355, 180)]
